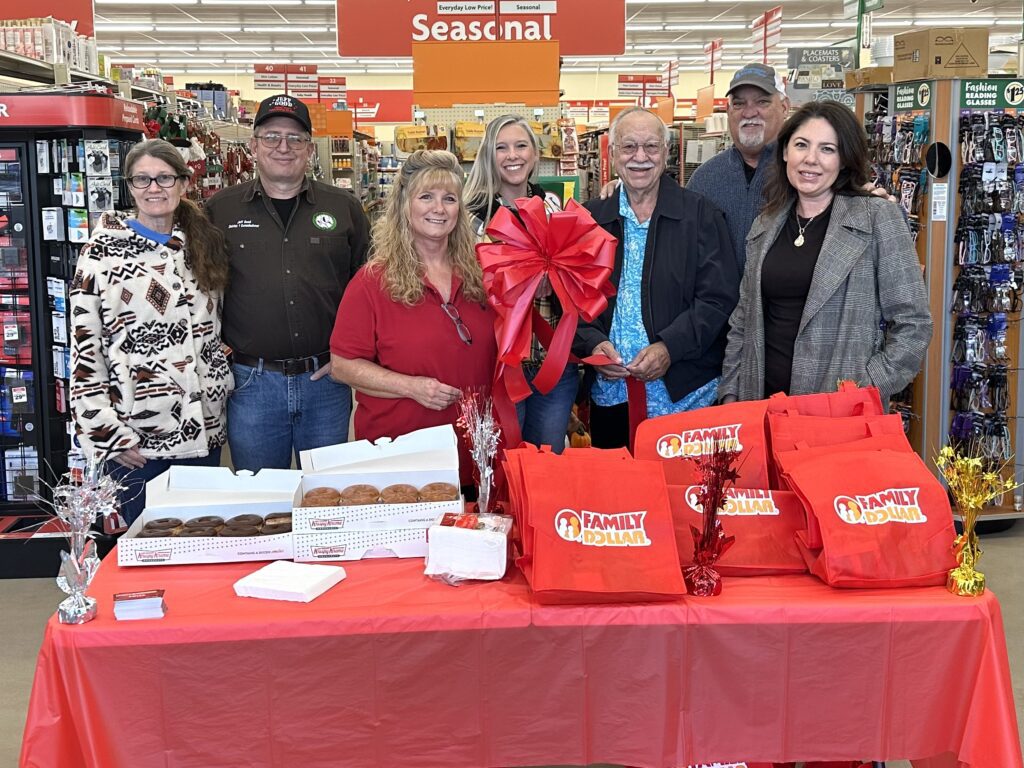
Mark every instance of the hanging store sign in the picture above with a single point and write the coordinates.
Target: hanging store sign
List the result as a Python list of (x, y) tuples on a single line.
[(361, 31), (24, 110), (817, 74), (380, 106)]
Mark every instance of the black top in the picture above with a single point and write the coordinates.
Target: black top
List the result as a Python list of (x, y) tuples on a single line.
[(287, 274), (786, 276), (284, 208), (749, 170)]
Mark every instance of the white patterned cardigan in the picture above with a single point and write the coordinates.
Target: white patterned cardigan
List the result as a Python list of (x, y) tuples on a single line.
[(147, 365)]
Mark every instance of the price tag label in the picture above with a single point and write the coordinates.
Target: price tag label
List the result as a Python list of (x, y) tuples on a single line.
[(19, 394), (10, 332)]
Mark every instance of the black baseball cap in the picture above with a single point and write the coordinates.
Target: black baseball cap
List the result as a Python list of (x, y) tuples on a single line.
[(283, 105), (760, 76)]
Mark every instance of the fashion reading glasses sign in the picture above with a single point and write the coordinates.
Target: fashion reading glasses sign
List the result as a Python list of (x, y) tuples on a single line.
[(581, 27)]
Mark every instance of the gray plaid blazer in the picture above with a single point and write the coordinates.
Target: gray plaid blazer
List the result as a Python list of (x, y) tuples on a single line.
[(867, 273)]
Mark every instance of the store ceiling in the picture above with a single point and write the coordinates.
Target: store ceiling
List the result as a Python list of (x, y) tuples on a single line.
[(230, 36)]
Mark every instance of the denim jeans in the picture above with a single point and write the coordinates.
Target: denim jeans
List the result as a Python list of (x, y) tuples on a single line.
[(133, 496), (544, 419), (272, 416)]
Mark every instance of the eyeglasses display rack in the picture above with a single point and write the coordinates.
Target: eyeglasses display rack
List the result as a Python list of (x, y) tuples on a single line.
[(61, 160), (937, 154)]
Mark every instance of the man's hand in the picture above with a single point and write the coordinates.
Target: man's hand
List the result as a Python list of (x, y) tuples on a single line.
[(728, 399), (131, 458), (882, 192), (432, 394), (609, 189), (650, 362), (617, 371), (320, 372)]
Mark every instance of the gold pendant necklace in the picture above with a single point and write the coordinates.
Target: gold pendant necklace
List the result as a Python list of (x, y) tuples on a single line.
[(800, 237)]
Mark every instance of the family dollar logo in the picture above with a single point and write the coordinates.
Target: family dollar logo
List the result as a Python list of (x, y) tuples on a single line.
[(596, 529), (697, 442), (893, 505), (738, 502)]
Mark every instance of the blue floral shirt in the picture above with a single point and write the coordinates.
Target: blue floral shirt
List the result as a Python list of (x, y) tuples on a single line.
[(628, 334)]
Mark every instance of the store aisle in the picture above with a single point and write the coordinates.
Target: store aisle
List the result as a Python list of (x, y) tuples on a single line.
[(26, 605)]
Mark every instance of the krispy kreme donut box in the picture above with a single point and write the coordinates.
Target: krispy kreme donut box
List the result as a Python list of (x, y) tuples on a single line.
[(364, 499), (211, 515)]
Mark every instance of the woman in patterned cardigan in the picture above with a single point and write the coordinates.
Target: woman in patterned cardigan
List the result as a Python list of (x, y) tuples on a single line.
[(149, 377)]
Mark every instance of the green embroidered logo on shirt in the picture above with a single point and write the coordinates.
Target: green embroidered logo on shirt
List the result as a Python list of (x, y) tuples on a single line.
[(324, 221)]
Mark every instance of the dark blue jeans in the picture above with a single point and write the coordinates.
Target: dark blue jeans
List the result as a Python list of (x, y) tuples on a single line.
[(544, 419), (272, 416), (133, 496)]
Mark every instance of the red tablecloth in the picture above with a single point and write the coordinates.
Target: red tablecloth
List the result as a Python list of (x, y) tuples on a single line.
[(391, 669)]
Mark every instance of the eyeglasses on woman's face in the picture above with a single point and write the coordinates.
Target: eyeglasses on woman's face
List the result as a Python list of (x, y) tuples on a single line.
[(164, 180), (463, 330)]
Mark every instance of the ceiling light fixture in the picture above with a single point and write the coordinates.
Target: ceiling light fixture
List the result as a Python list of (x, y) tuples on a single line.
[(114, 27), (240, 48), (305, 48), (713, 27), (298, 28), (198, 27)]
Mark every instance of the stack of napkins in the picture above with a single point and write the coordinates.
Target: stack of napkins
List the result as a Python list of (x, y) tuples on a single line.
[(285, 580), (468, 546), (148, 604)]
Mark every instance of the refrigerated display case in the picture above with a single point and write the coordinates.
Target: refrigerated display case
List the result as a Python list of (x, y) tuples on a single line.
[(60, 167)]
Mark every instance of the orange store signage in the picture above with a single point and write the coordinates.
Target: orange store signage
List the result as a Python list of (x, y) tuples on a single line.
[(361, 31), (35, 110)]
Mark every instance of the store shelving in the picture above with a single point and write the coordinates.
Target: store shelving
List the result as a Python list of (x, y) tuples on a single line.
[(36, 71)]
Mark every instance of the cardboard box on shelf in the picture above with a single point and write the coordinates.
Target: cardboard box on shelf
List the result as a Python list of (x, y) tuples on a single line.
[(399, 530), (187, 492), (858, 78), (940, 52)]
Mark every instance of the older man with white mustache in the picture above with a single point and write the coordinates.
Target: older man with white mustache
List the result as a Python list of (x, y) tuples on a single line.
[(676, 281), (734, 180)]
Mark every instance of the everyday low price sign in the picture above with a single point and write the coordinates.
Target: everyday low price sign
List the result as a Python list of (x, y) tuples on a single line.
[(389, 27), (991, 94)]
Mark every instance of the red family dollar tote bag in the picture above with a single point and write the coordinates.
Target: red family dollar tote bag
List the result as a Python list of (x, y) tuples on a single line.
[(764, 523), (885, 520), (848, 400), (600, 530), (785, 461), (674, 438)]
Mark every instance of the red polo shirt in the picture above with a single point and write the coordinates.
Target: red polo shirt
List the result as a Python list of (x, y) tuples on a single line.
[(418, 341)]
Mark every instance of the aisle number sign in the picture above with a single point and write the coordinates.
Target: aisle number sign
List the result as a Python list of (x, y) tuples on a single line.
[(298, 80), (991, 94), (570, 22)]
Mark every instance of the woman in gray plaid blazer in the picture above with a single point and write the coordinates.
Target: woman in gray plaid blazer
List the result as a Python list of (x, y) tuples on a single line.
[(841, 300)]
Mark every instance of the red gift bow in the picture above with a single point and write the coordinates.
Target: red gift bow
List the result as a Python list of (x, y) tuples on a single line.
[(577, 257)]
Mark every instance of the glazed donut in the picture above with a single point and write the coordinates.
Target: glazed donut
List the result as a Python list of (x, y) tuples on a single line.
[(439, 492), (400, 493), (359, 494), (205, 521), (162, 524), (321, 497), (244, 520), (276, 518)]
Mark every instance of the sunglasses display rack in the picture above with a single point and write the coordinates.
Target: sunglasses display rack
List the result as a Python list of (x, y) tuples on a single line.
[(988, 278)]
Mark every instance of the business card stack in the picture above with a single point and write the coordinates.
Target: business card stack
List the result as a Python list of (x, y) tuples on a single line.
[(147, 604)]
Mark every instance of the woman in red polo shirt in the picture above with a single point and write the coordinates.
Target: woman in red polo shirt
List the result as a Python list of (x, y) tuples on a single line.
[(414, 327)]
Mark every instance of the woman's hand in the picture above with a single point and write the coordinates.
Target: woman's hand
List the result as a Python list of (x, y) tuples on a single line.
[(432, 394), (131, 458), (617, 371)]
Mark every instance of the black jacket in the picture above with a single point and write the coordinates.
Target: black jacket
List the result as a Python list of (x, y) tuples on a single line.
[(689, 288)]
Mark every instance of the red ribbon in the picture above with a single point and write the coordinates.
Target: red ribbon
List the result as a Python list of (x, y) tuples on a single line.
[(575, 254)]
